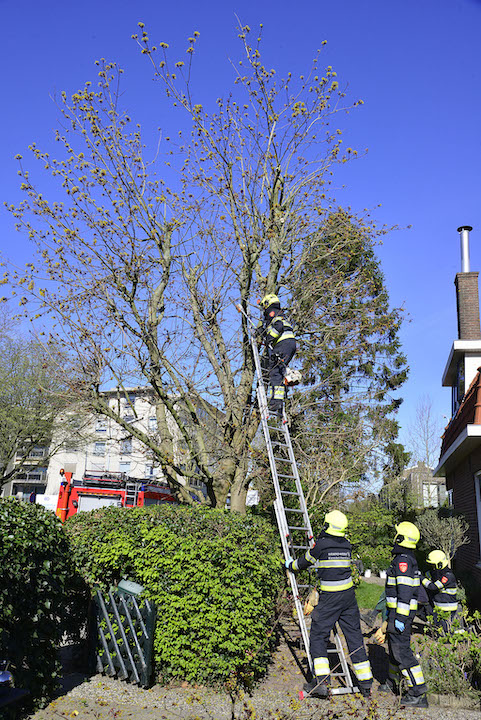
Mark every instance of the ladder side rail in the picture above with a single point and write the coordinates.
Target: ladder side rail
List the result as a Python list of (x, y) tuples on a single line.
[(282, 521), (280, 516), (300, 491)]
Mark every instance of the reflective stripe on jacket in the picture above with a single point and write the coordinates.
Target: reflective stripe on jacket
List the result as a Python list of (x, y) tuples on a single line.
[(278, 329), (331, 557), (442, 589), (402, 585)]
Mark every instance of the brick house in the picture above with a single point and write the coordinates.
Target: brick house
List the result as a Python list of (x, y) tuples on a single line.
[(460, 458)]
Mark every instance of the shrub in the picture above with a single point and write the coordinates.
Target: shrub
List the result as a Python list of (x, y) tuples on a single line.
[(35, 575), (214, 577), (371, 533), (452, 662)]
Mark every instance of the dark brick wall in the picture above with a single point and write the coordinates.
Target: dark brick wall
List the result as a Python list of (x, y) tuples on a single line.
[(461, 482), (467, 300)]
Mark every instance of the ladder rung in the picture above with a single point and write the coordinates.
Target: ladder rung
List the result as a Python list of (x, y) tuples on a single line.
[(288, 492), (292, 477), (293, 510), (294, 527)]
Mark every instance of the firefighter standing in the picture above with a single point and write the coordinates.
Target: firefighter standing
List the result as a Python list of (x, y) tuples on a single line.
[(402, 586), (331, 556), (441, 589), (281, 346)]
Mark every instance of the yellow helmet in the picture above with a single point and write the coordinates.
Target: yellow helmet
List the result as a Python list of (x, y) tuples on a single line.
[(269, 300), (336, 523), (437, 558), (407, 535)]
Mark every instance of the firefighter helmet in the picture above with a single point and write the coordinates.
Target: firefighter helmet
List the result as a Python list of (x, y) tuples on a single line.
[(407, 535), (437, 558), (269, 300), (335, 523)]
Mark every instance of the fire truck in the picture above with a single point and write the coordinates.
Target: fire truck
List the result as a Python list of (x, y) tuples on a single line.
[(103, 489)]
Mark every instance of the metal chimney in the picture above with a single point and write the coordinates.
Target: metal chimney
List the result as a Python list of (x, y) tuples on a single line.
[(464, 231), (467, 293)]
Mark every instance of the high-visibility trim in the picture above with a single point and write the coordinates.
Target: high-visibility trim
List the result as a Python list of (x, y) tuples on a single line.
[(333, 563), (446, 607), (439, 585), (417, 675), (391, 580), (336, 585), (449, 591), (321, 666), (391, 602), (409, 677), (413, 604), (403, 608), (426, 582), (310, 557), (294, 565), (363, 670), (279, 392), (404, 580)]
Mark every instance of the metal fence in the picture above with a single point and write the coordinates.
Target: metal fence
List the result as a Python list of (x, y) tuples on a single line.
[(125, 633)]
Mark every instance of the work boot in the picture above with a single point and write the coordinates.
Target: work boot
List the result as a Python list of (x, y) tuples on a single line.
[(316, 688), (387, 686), (365, 691), (420, 701)]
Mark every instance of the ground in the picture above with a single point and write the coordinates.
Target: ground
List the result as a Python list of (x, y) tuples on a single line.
[(276, 698)]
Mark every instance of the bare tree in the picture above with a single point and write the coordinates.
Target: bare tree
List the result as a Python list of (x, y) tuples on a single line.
[(32, 405), (443, 532), (141, 276), (424, 433)]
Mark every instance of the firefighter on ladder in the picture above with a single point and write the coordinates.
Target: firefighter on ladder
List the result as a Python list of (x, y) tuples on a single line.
[(442, 590), (402, 586), (281, 346), (331, 556)]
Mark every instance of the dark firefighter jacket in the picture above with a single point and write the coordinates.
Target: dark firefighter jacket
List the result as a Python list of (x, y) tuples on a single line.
[(276, 327), (331, 556), (402, 584), (442, 589)]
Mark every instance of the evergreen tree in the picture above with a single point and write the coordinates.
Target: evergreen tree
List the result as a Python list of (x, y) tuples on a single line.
[(351, 357)]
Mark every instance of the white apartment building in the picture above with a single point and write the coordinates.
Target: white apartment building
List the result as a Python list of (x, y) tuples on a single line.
[(108, 447)]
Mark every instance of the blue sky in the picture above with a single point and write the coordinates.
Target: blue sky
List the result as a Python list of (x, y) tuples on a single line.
[(415, 63)]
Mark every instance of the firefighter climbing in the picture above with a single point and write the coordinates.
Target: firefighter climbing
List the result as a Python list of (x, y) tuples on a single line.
[(278, 335)]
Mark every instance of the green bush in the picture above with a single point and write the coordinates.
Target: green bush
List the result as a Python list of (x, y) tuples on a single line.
[(35, 576), (451, 662), (371, 533), (214, 576)]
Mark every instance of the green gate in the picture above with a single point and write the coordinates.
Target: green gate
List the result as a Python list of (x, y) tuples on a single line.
[(125, 633)]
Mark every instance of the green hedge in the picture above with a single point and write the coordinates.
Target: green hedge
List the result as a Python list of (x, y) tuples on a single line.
[(214, 576), (35, 575)]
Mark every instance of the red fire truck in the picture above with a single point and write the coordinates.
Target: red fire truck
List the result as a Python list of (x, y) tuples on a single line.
[(103, 489)]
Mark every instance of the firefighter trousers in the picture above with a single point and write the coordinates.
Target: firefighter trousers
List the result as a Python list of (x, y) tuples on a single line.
[(402, 658), (341, 607), (280, 356)]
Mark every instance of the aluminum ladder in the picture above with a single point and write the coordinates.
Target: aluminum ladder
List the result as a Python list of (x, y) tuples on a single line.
[(131, 494), (292, 515)]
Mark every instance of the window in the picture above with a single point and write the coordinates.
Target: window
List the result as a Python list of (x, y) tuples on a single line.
[(124, 467), (153, 423), (477, 481), (149, 472), (128, 418), (126, 446), (99, 448), (101, 425)]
